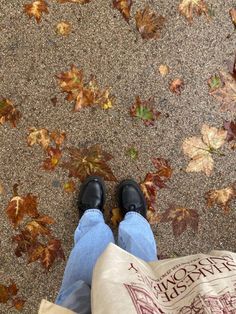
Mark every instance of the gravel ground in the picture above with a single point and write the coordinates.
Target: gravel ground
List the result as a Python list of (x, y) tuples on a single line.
[(102, 43)]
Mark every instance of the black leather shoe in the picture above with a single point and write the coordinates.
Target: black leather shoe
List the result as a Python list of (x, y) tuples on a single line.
[(131, 198), (91, 195)]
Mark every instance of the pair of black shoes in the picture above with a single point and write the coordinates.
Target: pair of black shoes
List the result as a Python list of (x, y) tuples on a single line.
[(92, 195)]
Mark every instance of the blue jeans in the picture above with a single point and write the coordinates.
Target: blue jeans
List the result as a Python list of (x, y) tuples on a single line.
[(91, 238)]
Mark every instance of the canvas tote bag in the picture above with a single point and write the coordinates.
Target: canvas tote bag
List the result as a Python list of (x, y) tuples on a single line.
[(202, 283)]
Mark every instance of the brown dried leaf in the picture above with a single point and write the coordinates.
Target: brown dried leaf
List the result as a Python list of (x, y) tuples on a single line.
[(200, 150), (51, 252), (58, 137), (8, 112), (39, 226), (89, 161), (53, 159), (188, 7), (69, 187), (2, 190), (144, 110), (232, 13), (36, 9), (63, 28), (19, 207), (221, 197), (38, 136), (153, 217), (230, 127), (124, 7), (227, 92), (18, 303), (116, 217), (4, 295), (181, 218), (149, 24), (176, 86)]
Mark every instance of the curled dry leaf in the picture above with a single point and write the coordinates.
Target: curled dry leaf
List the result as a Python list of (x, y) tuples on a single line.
[(8, 293), (188, 7), (164, 70), (21, 206), (58, 137), (230, 127), (89, 161), (8, 112), (149, 24), (176, 86), (144, 110), (181, 218), (124, 7), (84, 94), (36, 9), (53, 158), (153, 217), (69, 186), (155, 181), (226, 92), (200, 150), (39, 226), (38, 136), (63, 28), (221, 197), (116, 217), (232, 13)]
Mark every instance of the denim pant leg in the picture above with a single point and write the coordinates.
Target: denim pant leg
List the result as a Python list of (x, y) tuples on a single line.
[(90, 240), (136, 237)]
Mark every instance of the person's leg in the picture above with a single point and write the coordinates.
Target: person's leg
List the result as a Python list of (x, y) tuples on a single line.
[(136, 237)]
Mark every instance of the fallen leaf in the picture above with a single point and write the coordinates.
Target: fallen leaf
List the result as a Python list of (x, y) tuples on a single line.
[(8, 293), (116, 217), (230, 127), (69, 186), (153, 217), (4, 295), (124, 7), (36, 9), (2, 190), (74, 1), (53, 158), (176, 86), (84, 94), (54, 101), (149, 24), (39, 226), (19, 207), (155, 181), (132, 153), (221, 197), (18, 303), (200, 150), (164, 70), (39, 136), (63, 28), (214, 82), (89, 161), (8, 112), (58, 137), (227, 92), (232, 13), (144, 110), (181, 218), (188, 7), (52, 251)]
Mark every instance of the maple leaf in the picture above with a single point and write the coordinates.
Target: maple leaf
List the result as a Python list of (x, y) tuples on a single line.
[(200, 150), (63, 28), (176, 86), (19, 207), (40, 137), (221, 197), (116, 217), (53, 159), (227, 92), (36, 9), (74, 1), (144, 110), (230, 127), (52, 251), (181, 218), (153, 217), (232, 13), (188, 7), (8, 112), (89, 161), (58, 137), (155, 181), (124, 7), (8, 293), (39, 226), (69, 187), (149, 24)]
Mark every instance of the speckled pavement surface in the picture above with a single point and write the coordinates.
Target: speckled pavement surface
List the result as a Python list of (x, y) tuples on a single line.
[(102, 43)]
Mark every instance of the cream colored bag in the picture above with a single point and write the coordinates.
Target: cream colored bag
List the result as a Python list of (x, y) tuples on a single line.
[(198, 283)]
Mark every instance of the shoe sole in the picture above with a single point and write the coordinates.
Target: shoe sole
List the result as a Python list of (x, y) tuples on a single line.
[(134, 184), (93, 178)]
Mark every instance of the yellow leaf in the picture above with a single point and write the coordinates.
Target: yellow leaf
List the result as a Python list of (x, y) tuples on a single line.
[(221, 197), (188, 7), (116, 216), (63, 28), (164, 70), (36, 9), (40, 137)]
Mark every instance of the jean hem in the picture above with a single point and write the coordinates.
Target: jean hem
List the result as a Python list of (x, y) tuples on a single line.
[(133, 213)]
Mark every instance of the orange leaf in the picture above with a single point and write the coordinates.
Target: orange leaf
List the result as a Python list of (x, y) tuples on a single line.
[(54, 156), (38, 136), (116, 217), (69, 186), (74, 1), (18, 303), (52, 251), (8, 112), (188, 7), (124, 7), (63, 28), (176, 86), (39, 226), (58, 137), (36, 9), (232, 13)]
